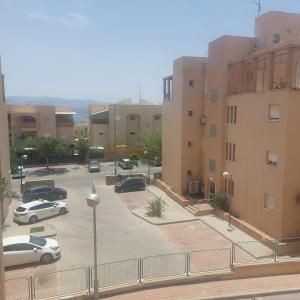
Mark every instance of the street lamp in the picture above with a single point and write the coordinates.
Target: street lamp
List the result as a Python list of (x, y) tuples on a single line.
[(146, 154), (93, 201), (115, 141), (23, 157), (228, 176)]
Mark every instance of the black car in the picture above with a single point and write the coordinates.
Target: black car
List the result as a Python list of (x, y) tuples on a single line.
[(94, 166), (130, 184), (45, 193)]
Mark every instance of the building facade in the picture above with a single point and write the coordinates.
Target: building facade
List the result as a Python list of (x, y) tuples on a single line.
[(238, 111), (4, 173), (122, 125), (81, 129), (41, 120)]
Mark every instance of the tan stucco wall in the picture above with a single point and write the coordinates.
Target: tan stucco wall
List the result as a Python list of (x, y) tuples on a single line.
[(45, 116), (146, 124), (177, 156)]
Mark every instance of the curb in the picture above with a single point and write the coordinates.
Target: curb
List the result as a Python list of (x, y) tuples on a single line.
[(164, 223)]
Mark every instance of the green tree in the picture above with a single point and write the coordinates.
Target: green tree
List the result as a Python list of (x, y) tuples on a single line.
[(220, 201), (152, 143), (134, 158), (16, 151), (3, 188), (82, 146), (47, 147)]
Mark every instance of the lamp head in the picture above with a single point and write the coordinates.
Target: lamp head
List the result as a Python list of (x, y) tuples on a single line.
[(226, 175), (25, 156), (92, 200)]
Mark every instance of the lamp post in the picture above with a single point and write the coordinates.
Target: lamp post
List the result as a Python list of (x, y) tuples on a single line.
[(23, 157), (146, 153), (228, 176), (93, 201), (115, 141)]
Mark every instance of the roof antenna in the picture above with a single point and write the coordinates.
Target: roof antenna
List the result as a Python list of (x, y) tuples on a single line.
[(258, 4)]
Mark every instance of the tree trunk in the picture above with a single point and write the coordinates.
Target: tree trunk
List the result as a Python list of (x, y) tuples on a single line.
[(47, 163)]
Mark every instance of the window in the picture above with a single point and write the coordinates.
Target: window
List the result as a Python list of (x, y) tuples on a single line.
[(190, 144), (228, 114), (132, 117), (271, 159), (189, 173), (231, 114), (156, 117), (298, 76), (131, 132), (269, 203), (191, 83), (213, 130), (276, 37), (212, 165), (190, 113), (214, 96), (18, 247), (274, 112), (102, 133), (234, 114), (230, 151)]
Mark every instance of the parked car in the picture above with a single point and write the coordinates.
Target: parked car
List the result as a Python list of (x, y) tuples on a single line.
[(37, 210), (24, 249), (126, 163), (45, 193), (20, 172), (94, 166), (130, 184)]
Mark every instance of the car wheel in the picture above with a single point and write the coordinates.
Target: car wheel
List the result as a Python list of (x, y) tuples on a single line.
[(46, 258), (62, 211), (33, 219)]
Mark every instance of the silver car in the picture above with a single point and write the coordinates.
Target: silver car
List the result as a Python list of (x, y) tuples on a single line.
[(24, 249), (34, 211)]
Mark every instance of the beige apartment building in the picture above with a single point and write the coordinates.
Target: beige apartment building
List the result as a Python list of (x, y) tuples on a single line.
[(41, 120), (122, 125), (81, 129), (238, 110), (4, 172)]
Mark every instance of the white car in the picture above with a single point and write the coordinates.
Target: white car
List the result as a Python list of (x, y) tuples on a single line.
[(20, 172), (24, 249), (34, 211)]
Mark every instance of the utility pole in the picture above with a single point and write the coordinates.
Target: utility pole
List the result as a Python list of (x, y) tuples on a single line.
[(258, 4)]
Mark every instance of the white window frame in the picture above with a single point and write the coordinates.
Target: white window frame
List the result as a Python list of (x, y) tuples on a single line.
[(271, 159), (274, 115)]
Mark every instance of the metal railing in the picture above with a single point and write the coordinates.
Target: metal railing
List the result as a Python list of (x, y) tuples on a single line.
[(137, 271)]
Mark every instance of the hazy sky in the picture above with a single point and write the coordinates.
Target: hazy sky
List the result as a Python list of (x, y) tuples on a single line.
[(102, 49)]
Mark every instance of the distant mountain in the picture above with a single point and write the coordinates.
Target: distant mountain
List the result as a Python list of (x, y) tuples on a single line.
[(80, 106)]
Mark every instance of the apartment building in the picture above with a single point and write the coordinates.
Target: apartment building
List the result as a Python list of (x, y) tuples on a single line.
[(41, 120), (122, 125), (81, 129), (238, 111), (4, 172)]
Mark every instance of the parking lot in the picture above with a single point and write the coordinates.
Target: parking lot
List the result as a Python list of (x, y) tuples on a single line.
[(121, 235)]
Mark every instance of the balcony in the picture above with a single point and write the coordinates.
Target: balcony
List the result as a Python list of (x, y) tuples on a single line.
[(276, 68)]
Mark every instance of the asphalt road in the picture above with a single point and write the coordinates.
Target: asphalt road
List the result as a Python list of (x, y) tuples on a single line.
[(120, 234)]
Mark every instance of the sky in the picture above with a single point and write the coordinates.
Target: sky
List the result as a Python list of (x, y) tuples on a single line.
[(103, 49)]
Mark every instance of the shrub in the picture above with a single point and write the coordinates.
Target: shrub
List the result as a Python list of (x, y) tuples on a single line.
[(220, 201), (155, 208)]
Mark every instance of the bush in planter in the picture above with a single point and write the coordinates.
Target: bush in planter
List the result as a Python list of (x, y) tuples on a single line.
[(155, 208), (220, 201)]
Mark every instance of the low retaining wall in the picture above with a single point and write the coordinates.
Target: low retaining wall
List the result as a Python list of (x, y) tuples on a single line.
[(167, 189), (112, 179)]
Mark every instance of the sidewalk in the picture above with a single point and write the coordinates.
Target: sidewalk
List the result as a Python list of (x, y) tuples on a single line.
[(244, 241), (172, 213), (204, 290)]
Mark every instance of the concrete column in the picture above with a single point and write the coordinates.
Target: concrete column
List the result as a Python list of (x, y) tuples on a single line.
[(169, 89), (290, 71), (254, 63), (271, 70)]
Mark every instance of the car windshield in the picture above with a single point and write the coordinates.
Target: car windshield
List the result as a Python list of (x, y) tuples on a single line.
[(20, 209), (37, 241), (93, 162)]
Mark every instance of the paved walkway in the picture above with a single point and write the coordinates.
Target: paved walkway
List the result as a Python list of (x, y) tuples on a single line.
[(243, 241), (224, 288), (172, 213)]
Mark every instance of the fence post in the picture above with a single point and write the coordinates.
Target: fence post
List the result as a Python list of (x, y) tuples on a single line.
[(187, 261), (232, 255), (89, 279), (140, 266), (275, 250), (31, 288)]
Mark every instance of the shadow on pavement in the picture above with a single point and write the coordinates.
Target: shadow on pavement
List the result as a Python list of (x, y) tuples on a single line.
[(50, 171)]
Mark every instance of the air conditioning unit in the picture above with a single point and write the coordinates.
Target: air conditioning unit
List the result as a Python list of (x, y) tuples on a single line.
[(276, 37), (194, 187)]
